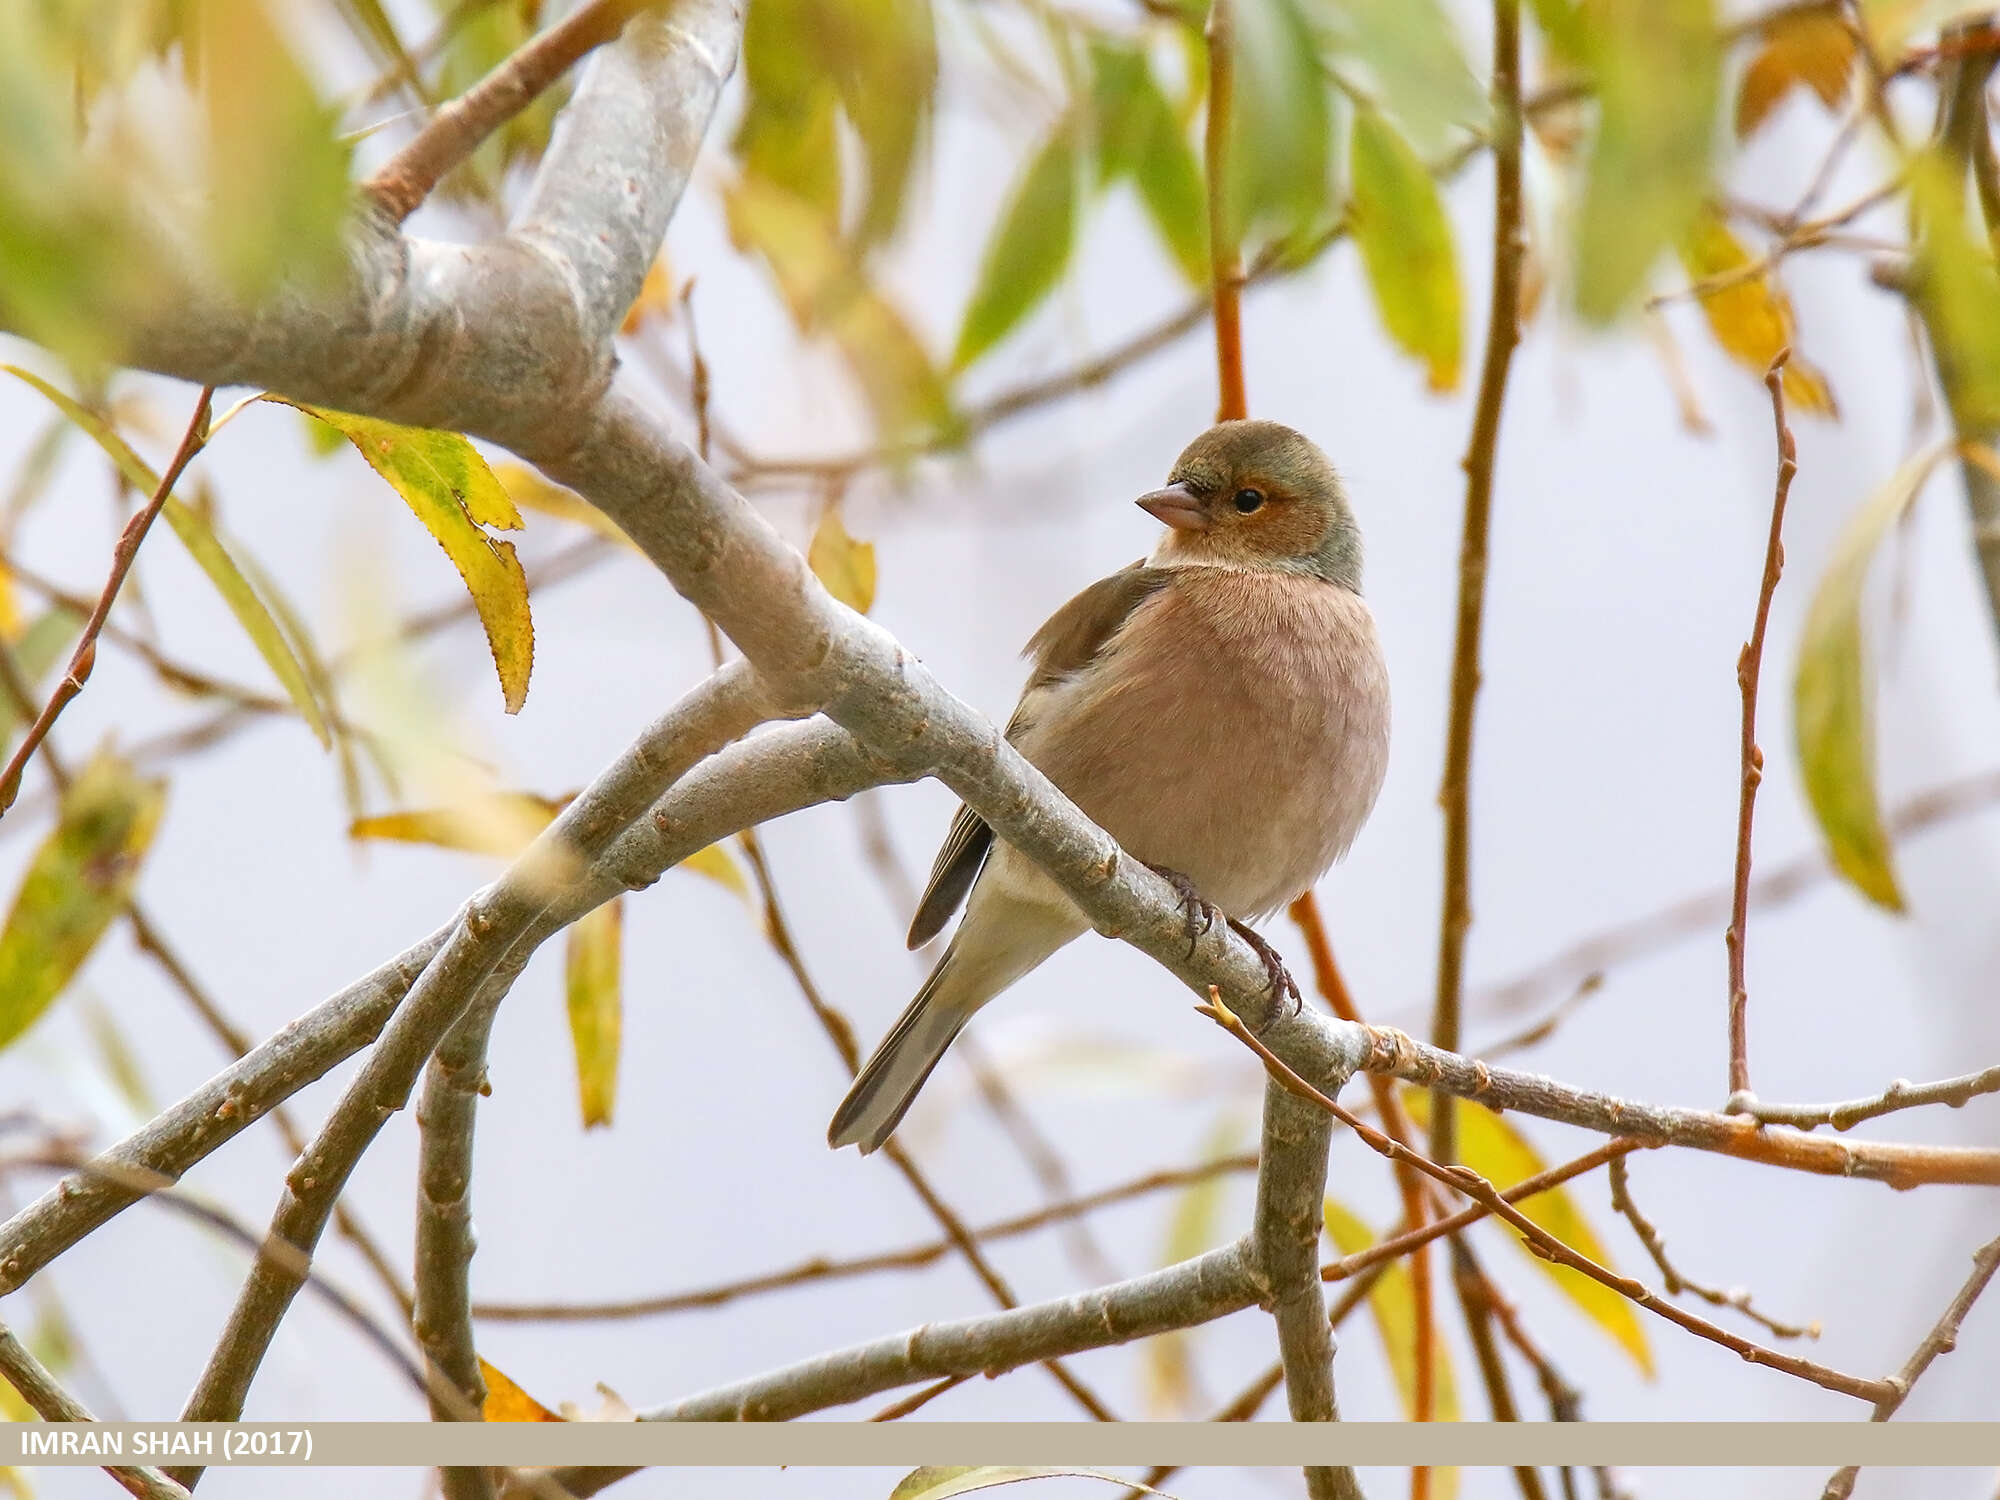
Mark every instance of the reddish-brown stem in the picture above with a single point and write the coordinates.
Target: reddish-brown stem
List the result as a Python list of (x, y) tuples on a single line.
[(122, 558), (1469, 1183), (1224, 254), (896, 1410), (1503, 332), (406, 179), (1749, 666)]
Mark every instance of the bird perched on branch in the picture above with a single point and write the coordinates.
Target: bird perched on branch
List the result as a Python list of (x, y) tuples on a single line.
[(1221, 709)]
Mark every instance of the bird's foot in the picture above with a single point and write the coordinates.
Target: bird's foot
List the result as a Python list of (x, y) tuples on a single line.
[(1198, 911), (1280, 977)]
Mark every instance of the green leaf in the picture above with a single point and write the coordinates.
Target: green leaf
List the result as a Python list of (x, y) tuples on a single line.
[(845, 566), (1139, 136), (39, 648), (1406, 246), (1412, 54), (790, 135), (207, 548), (277, 183), (1958, 292), (944, 1483), (1500, 1154), (827, 291), (77, 882), (1833, 710), (1658, 68), (1392, 1303), (591, 984), (448, 486), (1029, 249), (1281, 124)]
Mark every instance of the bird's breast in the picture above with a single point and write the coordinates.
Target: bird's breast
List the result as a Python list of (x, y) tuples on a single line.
[(1235, 729)]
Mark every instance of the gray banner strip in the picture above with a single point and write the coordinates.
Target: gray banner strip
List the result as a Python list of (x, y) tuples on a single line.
[(1065, 1444)]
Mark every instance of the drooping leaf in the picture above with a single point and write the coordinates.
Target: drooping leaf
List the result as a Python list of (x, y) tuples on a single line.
[(530, 491), (207, 548), (76, 884), (39, 648), (1957, 291), (827, 291), (277, 181), (1412, 56), (1750, 317), (595, 1003), (1502, 1155), (945, 1483), (1405, 242), (1561, 25), (1813, 48), (1138, 136), (499, 823), (1029, 250), (448, 486), (1193, 1228), (1392, 1303), (790, 134), (1658, 71), (1280, 125), (1833, 710), (844, 565), (719, 865), (507, 1402)]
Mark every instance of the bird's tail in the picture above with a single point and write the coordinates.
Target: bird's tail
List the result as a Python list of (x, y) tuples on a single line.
[(899, 1066)]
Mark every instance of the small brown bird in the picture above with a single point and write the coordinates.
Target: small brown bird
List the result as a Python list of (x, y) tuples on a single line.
[(1221, 709)]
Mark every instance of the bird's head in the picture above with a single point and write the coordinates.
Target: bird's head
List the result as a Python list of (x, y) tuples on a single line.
[(1257, 495)]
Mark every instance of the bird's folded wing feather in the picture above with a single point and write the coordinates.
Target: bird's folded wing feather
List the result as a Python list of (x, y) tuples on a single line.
[(1069, 641)]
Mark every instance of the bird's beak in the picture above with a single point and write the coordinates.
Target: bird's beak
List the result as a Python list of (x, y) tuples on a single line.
[(1178, 506)]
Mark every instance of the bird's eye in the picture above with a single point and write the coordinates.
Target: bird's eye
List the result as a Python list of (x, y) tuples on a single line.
[(1249, 500)]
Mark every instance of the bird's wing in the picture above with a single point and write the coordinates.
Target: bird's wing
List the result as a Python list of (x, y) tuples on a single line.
[(1067, 643)]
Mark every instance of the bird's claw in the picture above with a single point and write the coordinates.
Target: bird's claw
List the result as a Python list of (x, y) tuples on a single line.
[(1197, 910), (1280, 977)]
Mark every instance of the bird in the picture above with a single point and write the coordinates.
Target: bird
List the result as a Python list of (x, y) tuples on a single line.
[(1221, 708)]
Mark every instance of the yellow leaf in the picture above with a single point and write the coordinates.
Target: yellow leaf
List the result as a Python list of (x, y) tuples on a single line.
[(845, 566), (502, 823), (530, 491), (77, 882), (591, 967), (946, 1483), (1392, 1302), (206, 546), (719, 865), (1833, 712), (828, 291), (448, 486), (1406, 247), (655, 300), (1500, 1154), (1814, 48), (1750, 316), (507, 1402)]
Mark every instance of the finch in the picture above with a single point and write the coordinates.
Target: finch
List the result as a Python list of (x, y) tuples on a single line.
[(1221, 709)]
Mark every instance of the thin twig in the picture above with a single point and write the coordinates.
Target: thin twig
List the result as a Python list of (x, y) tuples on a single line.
[(1656, 1246), (451, 135), (1472, 1185), (52, 1403), (1900, 1094), (1749, 666), (122, 557), (1942, 1339), (896, 1410), (1476, 1298), (1503, 332), (820, 1268)]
